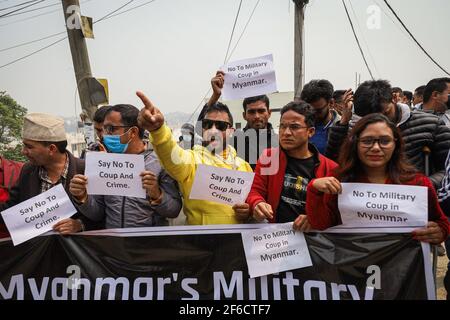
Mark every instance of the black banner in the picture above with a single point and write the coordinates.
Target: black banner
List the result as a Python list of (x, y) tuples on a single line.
[(186, 263)]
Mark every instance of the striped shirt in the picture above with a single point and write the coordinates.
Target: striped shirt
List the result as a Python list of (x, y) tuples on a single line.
[(46, 182), (444, 191)]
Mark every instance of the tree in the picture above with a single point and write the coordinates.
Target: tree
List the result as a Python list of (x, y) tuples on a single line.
[(11, 123)]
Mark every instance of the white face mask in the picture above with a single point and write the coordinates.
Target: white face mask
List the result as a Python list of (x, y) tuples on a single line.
[(187, 137)]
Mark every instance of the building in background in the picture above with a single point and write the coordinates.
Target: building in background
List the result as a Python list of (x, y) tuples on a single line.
[(76, 143)]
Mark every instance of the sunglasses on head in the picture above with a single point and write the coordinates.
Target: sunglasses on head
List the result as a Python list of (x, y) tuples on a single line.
[(220, 125)]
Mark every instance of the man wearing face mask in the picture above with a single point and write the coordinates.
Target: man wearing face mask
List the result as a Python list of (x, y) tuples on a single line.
[(123, 135), (216, 127), (187, 138)]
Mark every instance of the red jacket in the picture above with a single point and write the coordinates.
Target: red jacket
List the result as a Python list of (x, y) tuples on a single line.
[(9, 173), (269, 176), (322, 209)]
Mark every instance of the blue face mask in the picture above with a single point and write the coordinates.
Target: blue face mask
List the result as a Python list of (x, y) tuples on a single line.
[(113, 144)]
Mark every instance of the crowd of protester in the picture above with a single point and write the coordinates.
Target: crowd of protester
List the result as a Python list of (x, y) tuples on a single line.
[(376, 134)]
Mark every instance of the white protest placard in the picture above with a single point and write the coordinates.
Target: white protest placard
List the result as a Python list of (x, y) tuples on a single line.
[(221, 185), (275, 249), (249, 78), (115, 174), (383, 205), (37, 215)]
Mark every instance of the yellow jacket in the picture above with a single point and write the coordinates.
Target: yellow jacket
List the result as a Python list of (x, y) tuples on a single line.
[(182, 164)]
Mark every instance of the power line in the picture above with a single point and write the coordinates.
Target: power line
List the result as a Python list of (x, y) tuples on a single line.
[(31, 4), (32, 53), (200, 104), (243, 31), (17, 5), (36, 40), (357, 40), (390, 18), (108, 16), (130, 9), (232, 31), (379, 5), (35, 9), (112, 12), (225, 60), (362, 35), (33, 41), (30, 17), (415, 40), (59, 33), (37, 15)]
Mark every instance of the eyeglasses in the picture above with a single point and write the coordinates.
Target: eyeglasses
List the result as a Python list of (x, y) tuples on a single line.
[(293, 127), (220, 125), (110, 128), (383, 142)]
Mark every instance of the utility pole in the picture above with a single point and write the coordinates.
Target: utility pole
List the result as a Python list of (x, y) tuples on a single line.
[(299, 71), (80, 57)]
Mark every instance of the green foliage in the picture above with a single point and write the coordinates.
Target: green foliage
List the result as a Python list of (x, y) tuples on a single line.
[(11, 122)]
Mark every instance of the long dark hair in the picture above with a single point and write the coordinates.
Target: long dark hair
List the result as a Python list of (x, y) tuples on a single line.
[(399, 169)]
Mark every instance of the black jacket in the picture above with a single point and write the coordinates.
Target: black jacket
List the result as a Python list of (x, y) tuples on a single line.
[(250, 143), (29, 185), (419, 129)]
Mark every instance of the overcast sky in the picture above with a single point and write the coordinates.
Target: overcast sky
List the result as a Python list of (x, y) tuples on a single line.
[(171, 49)]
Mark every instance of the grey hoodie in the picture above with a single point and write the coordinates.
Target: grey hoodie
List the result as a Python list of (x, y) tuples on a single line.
[(126, 212)]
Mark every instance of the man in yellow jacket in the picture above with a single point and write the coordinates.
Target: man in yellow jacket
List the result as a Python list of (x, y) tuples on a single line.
[(182, 164)]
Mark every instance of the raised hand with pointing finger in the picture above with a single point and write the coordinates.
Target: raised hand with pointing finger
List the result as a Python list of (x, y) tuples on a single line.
[(150, 118), (216, 126)]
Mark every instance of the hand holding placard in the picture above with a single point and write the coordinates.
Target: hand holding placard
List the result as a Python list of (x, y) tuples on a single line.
[(221, 185), (151, 185), (78, 187), (249, 78), (263, 211), (383, 205), (38, 215), (114, 174), (274, 249)]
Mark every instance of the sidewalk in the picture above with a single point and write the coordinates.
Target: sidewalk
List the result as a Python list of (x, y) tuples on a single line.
[(441, 269)]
